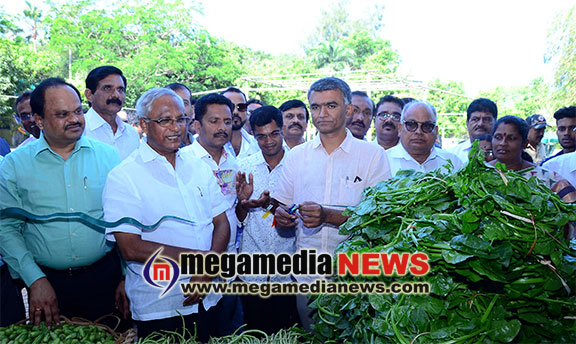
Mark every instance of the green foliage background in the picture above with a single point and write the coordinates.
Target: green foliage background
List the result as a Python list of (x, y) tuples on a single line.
[(157, 42)]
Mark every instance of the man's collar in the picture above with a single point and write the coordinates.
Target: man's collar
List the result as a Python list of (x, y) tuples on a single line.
[(148, 153), (94, 121), (43, 145), (202, 152), (346, 145), (399, 151)]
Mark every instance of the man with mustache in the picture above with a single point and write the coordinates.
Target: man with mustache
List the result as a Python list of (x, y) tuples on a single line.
[(214, 126), (24, 112), (295, 122), (387, 120), (242, 144), (359, 122), (105, 91), (565, 124), (480, 118), (416, 151), (68, 266), (535, 147)]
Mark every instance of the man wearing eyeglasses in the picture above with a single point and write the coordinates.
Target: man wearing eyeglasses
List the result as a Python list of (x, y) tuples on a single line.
[(24, 112), (416, 150), (387, 120), (242, 144), (481, 116), (158, 180), (359, 122), (105, 91)]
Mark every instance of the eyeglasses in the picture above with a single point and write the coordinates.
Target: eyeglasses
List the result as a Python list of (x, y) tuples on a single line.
[(426, 127), (168, 122), (384, 116), (25, 116), (273, 135), (242, 107)]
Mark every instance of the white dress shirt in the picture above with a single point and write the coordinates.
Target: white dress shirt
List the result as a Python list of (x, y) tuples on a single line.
[(400, 159), (146, 187), (338, 178), (27, 141), (564, 165), (225, 172), (259, 235), (125, 140), (461, 150), (248, 147)]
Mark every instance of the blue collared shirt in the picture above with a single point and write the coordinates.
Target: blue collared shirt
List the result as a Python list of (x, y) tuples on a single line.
[(40, 181)]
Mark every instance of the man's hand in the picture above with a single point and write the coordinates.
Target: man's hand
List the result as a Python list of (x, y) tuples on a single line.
[(284, 219), (263, 201), (313, 214), (196, 297), (43, 300), (244, 189), (122, 302)]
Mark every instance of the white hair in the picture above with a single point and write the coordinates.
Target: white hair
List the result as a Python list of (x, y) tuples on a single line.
[(144, 103), (413, 103)]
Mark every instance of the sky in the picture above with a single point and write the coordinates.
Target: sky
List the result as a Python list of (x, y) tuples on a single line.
[(483, 44)]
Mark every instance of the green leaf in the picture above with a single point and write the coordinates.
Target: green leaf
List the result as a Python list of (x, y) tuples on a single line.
[(454, 257), (505, 331)]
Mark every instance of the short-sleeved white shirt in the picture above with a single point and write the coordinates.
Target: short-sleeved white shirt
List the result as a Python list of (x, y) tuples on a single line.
[(564, 165), (225, 171), (400, 159), (126, 139), (335, 179), (259, 235), (461, 150), (146, 187)]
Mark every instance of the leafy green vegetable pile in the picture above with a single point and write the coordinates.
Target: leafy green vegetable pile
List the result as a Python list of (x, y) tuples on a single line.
[(500, 267), (64, 333), (285, 336)]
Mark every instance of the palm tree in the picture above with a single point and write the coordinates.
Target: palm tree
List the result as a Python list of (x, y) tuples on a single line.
[(32, 15)]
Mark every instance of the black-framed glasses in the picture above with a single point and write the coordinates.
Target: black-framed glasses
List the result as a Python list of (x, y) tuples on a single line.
[(242, 107), (168, 122), (426, 127), (384, 116)]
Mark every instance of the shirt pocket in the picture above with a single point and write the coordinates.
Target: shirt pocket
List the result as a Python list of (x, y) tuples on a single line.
[(350, 193)]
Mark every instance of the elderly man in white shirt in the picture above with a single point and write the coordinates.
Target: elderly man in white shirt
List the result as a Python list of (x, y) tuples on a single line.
[(326, 175), (416, 151), (155, 181), (105, 91), (263, 171), (481, 116)]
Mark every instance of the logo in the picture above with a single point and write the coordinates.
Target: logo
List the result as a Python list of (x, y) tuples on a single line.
[(158, 274)]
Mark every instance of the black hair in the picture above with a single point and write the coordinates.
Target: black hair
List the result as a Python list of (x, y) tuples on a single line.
[(364, 94), (484, 137), (255, 101), (391, 99), (407, 100), (482, 105), (233, 90), (175, 86), (264, 115), (294, 103), (518, 122), (100, 73), (37, 100), (193, 101), (23, 97), (201, 105), (565, 112), (332, 83)]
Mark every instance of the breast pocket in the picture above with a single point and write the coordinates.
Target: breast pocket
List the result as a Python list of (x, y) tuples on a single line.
[(350, 191)]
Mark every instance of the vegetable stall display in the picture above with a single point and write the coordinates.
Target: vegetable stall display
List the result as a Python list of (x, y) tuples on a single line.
[(501, 269)]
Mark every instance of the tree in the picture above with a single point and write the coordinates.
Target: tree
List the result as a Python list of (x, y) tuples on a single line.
[(562, 54), (32, 15)]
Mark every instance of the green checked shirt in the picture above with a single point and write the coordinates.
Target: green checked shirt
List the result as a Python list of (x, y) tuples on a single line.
[(41, 182)]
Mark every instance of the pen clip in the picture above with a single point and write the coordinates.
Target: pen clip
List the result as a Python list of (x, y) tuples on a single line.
[(85, 178)]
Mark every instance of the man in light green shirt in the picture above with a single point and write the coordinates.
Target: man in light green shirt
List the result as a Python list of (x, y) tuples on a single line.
[(68, 266)]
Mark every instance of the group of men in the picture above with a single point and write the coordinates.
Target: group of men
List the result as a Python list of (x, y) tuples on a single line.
[(218, 165)]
